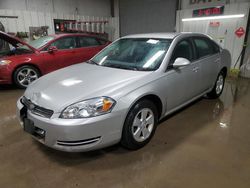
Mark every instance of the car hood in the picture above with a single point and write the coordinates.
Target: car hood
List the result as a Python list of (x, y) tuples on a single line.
[(14, 41), (66, 86)]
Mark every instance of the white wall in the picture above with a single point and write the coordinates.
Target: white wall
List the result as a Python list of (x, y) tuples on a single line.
[(82, 7), (225, 31)]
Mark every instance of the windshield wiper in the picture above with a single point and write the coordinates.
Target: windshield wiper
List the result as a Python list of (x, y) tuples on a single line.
[(121, 67), (127, 67), (92, 62)]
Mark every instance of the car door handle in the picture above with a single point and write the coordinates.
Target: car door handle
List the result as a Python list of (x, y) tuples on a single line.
[(195, 69)]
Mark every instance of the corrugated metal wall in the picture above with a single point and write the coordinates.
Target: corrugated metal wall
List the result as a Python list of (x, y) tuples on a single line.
[(35, 19), (143, 16), (82, 7)]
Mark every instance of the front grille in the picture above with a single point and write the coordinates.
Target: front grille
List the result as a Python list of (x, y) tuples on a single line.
[(35, 109)]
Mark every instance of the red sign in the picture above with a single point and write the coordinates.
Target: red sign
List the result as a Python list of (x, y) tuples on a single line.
[(211, 11), (240, 32), (214, 24)]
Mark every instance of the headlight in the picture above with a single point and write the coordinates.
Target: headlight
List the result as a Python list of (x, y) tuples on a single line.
[(5, 62), (88, 108)]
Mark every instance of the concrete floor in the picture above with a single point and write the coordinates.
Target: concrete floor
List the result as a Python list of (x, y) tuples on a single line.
[(205, 145)]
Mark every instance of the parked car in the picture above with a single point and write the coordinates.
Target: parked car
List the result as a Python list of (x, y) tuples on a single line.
[(21, 63), (121, 94)]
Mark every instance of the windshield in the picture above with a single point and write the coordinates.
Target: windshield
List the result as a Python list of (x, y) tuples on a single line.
[(38, 43), (143, 54)]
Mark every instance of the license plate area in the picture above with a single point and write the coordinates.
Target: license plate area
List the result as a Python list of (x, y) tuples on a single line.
[(29, 127), (23, 113)]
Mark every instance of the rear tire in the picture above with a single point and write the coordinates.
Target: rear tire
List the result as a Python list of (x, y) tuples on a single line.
[(218, 86), (140, 125), (24, 75)]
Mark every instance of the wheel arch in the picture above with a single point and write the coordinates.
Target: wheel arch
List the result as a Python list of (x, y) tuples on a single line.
[(151, 97), (127, 139)]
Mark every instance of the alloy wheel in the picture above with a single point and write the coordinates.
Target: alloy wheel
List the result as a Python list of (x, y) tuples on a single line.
[(219, 84), (26, 75), (143, 124)]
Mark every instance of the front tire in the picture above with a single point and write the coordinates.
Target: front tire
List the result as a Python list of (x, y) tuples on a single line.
[(218, 86), (140, 125), (24, 75)]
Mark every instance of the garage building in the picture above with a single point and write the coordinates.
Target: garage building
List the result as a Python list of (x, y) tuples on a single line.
[(201, 142)]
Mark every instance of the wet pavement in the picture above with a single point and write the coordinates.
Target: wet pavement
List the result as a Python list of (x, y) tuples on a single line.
[(205, 145)]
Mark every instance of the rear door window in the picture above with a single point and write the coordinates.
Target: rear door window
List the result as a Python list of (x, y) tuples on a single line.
[(215, 46), (88, 42), (203, 47), (102, 41)]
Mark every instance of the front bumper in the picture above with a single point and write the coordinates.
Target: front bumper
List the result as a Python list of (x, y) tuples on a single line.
[(77, 135)]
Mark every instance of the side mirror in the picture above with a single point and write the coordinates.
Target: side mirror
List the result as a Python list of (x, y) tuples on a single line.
[(180, 62), (52, 49)]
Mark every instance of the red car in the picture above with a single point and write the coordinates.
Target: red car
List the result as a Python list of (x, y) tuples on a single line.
[(21, 63)]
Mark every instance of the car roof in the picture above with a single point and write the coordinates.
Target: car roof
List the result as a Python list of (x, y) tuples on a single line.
[(170, 35)]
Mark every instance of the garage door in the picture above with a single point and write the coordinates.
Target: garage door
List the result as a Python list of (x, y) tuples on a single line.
[(144, 16)]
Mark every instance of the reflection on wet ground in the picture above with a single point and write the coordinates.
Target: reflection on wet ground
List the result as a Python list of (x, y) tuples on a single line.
[(207, 144)]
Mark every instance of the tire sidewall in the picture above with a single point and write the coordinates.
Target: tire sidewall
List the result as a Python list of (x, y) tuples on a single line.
[(127, 135), (213, 94), (223, 75)]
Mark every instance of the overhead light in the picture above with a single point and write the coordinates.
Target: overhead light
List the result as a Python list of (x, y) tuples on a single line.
[(214, 17)]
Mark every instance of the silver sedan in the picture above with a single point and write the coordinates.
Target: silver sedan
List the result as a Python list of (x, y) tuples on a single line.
[(121, 94)]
